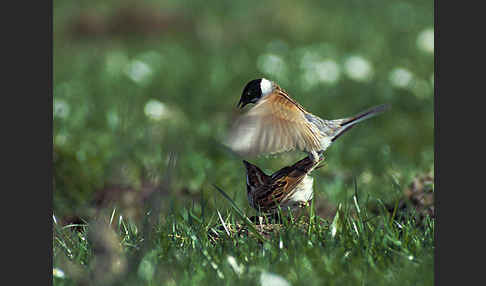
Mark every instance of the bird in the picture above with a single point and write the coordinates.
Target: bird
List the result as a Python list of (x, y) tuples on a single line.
[(277, 123), (290, 187)]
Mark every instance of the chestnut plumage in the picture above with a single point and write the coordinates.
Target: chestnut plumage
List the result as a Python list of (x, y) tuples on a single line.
[(277, 123), (290, 187)]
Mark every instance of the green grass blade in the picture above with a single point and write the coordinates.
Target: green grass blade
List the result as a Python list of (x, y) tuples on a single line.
[(240, 214)]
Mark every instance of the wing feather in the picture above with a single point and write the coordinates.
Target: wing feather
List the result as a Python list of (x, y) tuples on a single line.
[(275, 124)]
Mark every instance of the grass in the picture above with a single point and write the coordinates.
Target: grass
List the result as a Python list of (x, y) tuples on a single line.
[(364, 243), (143, 95), (191, 246)]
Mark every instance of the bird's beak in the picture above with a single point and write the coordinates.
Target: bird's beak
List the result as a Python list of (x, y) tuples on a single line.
[(247, 165), (241, 104)]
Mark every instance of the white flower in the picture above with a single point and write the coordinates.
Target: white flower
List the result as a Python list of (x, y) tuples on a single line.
[(58, 273), (400, 77), (358, 68), (272, 65), (156, 110), (138, 71), (61, 108), (425, 40), (327, 71)]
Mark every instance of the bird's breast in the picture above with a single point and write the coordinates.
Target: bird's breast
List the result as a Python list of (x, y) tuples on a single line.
[(303, 191)]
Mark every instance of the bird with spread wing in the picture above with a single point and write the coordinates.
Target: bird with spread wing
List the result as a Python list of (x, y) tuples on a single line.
[(277, 123)]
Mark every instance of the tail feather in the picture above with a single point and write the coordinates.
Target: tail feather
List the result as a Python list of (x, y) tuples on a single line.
[(348, 123)]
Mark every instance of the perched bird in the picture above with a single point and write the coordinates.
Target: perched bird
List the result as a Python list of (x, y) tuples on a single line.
[(277, 123), (290, 186)]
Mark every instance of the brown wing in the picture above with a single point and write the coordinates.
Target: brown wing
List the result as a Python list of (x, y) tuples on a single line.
[(269, 196), (275, 124), (283, 184)]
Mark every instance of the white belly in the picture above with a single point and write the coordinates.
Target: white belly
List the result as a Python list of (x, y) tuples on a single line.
[(304, 191)]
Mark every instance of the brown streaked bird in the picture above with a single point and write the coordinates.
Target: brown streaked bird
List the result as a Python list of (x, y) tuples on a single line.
[(277, 123), (290, 187)]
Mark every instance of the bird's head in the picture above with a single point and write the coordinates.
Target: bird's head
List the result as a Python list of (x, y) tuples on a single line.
[(254, 90), (254, 176)]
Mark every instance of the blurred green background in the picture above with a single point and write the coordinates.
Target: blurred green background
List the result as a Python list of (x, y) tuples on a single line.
[(135, 81)]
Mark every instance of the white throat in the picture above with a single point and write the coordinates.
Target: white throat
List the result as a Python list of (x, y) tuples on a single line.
[(266, 87)]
